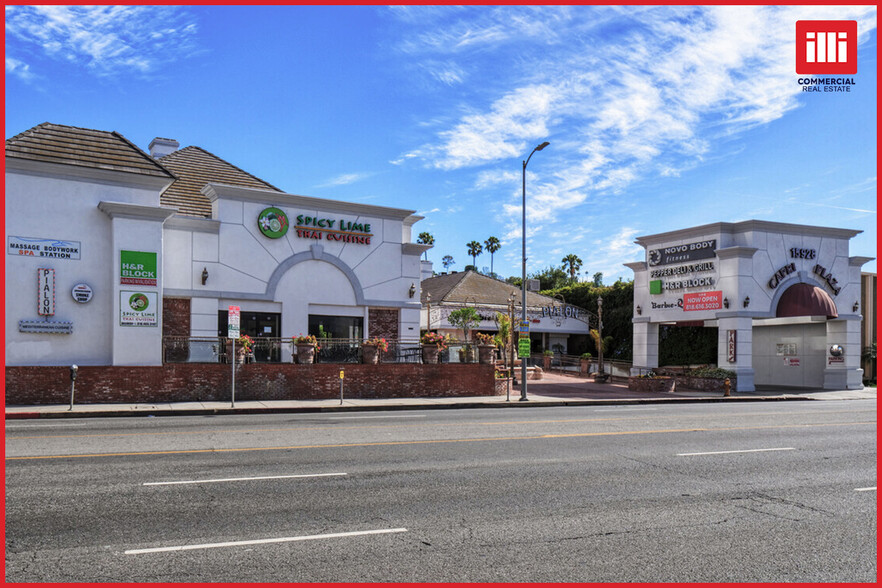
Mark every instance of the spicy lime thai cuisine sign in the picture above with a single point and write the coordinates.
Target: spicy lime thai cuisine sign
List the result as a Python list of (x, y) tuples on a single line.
[(274, 224)]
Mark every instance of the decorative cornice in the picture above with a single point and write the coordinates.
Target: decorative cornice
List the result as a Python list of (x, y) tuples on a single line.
[(745, 227), (737, 252), (135, 211), (222, 191), (197, 225)]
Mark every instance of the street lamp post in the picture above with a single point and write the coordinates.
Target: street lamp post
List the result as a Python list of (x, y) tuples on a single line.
[(524, 263)]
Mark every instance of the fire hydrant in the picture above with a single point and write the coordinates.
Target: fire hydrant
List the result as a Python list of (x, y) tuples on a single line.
[(726, 386)]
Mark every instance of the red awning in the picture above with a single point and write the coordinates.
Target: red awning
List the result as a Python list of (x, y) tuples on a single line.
[(806, 300)]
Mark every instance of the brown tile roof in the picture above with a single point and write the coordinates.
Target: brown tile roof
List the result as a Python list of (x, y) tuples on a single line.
[(194, 167), (66, 145), (473, 288)]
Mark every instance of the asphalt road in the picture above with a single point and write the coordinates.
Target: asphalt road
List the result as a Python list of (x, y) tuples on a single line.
[(765, 492)]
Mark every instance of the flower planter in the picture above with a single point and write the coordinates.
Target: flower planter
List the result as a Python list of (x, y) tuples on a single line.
[(305, 353), (241, 354), (546, 362), (584, 366), (370, 354), (657, 384), (430, 353), (467, 355), (486, 354)]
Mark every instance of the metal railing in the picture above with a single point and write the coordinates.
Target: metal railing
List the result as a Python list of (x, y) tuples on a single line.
[(282, 350)]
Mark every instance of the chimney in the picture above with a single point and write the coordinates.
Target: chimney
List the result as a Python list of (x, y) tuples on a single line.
[(160, 147)]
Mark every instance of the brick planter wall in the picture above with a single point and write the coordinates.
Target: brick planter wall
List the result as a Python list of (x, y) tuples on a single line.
[(663, 384), (185, 382), (702, 384)]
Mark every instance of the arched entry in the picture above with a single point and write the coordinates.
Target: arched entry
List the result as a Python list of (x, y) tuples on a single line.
[(791, 349)]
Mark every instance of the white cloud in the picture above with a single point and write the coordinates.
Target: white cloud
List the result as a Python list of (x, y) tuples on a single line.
[(344, 180), (19, 69), (653, 98), (103, 40)]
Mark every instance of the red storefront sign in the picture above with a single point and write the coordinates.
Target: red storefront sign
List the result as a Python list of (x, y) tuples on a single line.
[(703, 300)]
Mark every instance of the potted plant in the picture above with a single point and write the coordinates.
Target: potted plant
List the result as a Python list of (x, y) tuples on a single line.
[(585, 363), (371, 349), (466, 319), (433, 344), (244, 348), (547, 355), (306, 347), (486, 348)]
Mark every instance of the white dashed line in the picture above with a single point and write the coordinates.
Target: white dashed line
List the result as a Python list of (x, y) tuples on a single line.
[(739, 451), (262, 541), (241, 479), (873, 489)]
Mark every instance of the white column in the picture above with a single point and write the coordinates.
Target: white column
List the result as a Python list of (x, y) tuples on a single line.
[(845, 375), (645, 350), (743, 364)]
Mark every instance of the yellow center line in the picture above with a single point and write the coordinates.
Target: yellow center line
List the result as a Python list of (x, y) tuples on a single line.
[(431, 441)]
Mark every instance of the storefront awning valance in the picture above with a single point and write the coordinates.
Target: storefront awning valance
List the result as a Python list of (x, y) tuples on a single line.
[(806, 300)]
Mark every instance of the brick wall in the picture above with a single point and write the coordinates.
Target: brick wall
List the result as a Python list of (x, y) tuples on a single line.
[(383, 322), (185, 382), (175, 323)]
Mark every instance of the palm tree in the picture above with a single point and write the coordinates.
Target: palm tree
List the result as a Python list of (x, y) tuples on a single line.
[(492, 245), (447, 261), (426, 238), (475, 250), (572, 260)]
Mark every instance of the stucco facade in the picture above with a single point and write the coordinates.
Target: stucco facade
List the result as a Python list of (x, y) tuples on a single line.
[(785, 299), (101, 200)]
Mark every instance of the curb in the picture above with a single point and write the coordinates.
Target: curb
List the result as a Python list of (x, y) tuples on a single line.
[(332, 409)]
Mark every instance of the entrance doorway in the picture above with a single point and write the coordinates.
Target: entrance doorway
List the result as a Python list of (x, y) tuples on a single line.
[(257, 325)]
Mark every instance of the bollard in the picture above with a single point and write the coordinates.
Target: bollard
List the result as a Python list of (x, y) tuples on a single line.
[(726, 386), (73, 379)]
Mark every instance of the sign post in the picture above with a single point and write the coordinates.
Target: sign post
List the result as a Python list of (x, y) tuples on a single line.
[(341, 387), (233, 334)]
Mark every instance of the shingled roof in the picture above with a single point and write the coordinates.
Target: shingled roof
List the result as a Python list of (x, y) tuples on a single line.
[(194, 167), (60, 144), (473, 288)]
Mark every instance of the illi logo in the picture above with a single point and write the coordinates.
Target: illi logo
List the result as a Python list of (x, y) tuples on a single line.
[(826, 47)]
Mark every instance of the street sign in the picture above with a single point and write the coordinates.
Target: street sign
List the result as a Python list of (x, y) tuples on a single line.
[(524, 327), (523, 348), (233, 322)]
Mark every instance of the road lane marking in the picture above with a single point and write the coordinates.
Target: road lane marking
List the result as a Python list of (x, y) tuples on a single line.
[(431, 441), (739, 451), (241, 479), (390, 416), (262, 541), (873, 489)]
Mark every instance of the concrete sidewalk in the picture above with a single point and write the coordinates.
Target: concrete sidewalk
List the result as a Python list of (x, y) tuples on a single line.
[(552, 390)]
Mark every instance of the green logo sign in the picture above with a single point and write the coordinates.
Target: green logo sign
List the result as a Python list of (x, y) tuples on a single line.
[(655, 287), (273, 223), (137, 267), (139, 302), (523, 348)]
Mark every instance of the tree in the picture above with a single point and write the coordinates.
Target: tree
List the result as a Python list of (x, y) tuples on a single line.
[(492, 245), (598, 279), (426, 238), (464, 318), (551, 278), (447, 261), (572, 263), (475, 250)]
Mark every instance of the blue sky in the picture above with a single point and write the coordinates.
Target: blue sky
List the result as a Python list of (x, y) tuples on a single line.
[(659, 118)]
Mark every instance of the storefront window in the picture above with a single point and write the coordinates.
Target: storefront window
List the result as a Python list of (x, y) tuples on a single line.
[(257, 325), (336, 327)]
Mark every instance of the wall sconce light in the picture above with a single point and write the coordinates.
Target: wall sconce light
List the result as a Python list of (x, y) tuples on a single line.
[(639, 310), (204, 275), (412, 290), (856, 306), (725, 303), (746, 301)]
